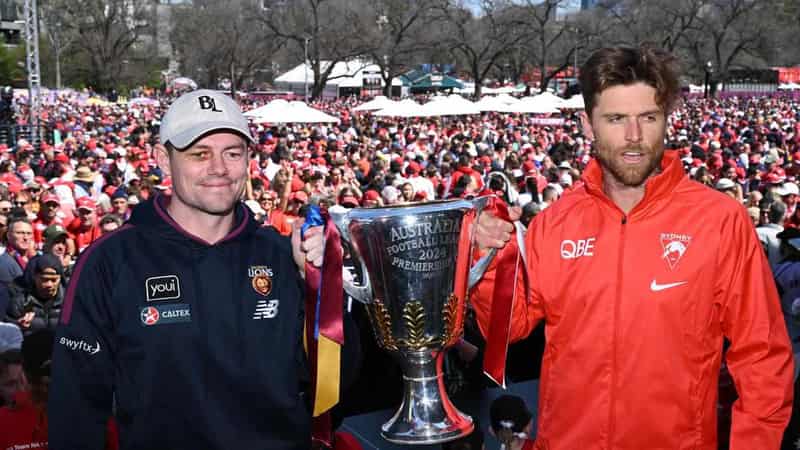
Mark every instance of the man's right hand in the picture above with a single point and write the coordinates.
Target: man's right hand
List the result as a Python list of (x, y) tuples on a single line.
[(492, 232)]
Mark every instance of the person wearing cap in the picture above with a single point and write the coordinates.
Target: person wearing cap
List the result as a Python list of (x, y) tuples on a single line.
[(119, 203), (57, 242), (371, 199), (192, 293), (83, 230), (48, 215), (109, 222), (84, 180), (641, 274), (789, 193), (726, 186), (419, 182), (37, 296), (295, 206)]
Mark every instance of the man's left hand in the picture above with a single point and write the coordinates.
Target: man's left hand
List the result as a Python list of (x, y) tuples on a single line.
[(309, 248)]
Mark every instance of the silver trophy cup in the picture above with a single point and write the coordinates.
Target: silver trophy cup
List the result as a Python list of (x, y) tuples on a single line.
[(415, 262)]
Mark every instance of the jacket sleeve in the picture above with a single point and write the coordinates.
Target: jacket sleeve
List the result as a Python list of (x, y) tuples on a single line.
[(81, 389), (760, 355), (526, 311), (16, 304)]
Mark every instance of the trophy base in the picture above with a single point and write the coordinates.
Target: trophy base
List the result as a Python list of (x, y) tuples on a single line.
[(426, 415)]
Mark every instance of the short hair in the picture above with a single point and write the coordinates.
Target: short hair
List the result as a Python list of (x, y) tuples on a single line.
[(615, 66), (777, 211), (15, 220)]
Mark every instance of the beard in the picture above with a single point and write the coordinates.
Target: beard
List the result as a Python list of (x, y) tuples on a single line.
[(630, 175)]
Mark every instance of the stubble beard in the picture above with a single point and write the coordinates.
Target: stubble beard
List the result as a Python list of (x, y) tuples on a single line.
[(629, 175)]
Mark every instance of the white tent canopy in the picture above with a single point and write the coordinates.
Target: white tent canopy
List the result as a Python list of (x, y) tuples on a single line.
[(574, 102), (403, 108), (344, 74), (532, 108), (281, 111), (377, 103), (789, 87), (545, 98), (454, 105), (544, 103), (278, 104)]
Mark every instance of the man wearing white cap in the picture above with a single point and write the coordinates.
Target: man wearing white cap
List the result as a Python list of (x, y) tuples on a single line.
[(788, 192), (189, 318)]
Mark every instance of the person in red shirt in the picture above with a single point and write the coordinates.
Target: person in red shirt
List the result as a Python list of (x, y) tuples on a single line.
[(83, 229), (23, 424), (48, 215), (273, 216)]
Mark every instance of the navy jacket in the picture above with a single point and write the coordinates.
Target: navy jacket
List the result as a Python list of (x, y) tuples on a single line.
[(198, 346)]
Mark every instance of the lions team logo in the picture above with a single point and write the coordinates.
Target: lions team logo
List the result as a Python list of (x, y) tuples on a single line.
[(261, 279), (674, 246)]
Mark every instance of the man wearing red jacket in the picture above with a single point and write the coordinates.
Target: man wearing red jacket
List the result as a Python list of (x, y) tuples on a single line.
[(639, 274), (84, 229)]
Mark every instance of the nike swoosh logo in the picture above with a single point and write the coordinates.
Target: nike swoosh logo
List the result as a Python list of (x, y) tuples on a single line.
[(655, 287)]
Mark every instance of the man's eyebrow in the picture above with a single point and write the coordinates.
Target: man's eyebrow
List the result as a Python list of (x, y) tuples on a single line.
[(645, 113)]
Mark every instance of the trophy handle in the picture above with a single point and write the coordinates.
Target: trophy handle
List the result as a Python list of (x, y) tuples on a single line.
[(479, 268), (363, 292), (476, 271)]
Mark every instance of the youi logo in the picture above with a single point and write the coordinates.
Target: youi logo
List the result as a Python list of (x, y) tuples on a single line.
[(167, 287)]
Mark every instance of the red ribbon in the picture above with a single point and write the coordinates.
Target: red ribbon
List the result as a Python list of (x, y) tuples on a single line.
[(330, 313), (330, 276), (503, 296)]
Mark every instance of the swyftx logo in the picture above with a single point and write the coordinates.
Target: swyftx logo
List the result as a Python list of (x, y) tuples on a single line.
[(76, 345)]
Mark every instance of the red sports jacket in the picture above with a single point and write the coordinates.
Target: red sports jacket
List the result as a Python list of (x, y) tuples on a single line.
[(636, 308)]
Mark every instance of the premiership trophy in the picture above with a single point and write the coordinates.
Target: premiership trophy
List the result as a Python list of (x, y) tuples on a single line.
[(415, 263)]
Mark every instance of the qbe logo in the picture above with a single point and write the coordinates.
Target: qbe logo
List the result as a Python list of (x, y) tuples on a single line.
[(167, 287), (578, 248)]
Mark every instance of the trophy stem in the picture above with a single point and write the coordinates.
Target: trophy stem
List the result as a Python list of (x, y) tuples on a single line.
[(426, 416)]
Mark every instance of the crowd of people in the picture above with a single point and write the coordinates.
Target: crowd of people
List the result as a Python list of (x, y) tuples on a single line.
[(99, 162)]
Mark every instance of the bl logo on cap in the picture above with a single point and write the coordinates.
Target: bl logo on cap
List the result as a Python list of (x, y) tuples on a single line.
[(208, 103)]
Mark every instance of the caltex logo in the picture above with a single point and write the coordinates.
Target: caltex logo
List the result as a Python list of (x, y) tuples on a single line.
[(150, 315)]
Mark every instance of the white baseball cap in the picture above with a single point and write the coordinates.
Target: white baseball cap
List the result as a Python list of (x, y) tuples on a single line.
[(199, 112), (788, 189), (724, 184)]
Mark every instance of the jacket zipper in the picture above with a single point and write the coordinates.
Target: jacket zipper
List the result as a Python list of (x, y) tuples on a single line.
[(615, 332)]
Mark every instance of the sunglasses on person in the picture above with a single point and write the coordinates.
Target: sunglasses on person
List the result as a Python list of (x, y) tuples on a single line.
[(20, 203)]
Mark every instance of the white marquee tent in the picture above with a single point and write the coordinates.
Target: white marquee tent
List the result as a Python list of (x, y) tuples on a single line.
[(344, 76)]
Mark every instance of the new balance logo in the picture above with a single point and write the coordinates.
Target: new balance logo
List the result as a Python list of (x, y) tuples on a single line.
[(266, 309)]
